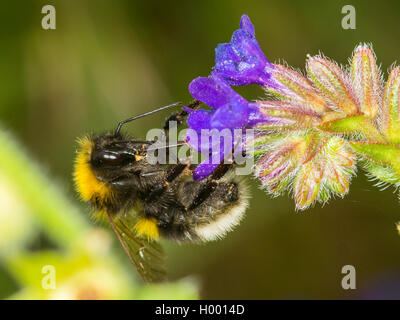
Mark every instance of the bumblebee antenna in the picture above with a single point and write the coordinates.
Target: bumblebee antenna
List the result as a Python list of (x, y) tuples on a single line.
[(145, 114)]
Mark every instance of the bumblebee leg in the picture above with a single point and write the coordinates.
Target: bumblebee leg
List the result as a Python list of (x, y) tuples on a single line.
[(172, 174), (208, 188), (179, 116), (210, 185)]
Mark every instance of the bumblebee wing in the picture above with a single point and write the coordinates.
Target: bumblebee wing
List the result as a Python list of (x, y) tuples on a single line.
[(147, 256)]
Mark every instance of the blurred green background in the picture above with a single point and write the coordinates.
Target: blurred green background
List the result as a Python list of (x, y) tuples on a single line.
[(109, 60)]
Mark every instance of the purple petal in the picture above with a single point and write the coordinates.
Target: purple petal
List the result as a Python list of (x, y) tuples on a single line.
[(221, 148), (209, 141), (246, 25), (224, 52), (204, 140), (208, 91), (215, 92), (199, 119), (207, 166), (230, 116), (241, 61), (203, 170), (198, 140)]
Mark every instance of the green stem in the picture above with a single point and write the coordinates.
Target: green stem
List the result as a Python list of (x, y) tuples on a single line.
[(354, 124)]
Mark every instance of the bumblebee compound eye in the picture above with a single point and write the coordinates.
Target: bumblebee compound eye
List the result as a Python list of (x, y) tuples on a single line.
[(108, 158)]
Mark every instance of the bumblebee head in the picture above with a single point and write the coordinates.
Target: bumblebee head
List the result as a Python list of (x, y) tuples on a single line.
[(102, 164), (105, 163)]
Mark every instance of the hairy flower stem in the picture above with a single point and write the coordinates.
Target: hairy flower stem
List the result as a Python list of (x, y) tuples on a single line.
[(358, 124)]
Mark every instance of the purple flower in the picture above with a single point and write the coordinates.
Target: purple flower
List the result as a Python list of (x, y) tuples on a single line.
[(213, 130), (241, 62), (230, 109)]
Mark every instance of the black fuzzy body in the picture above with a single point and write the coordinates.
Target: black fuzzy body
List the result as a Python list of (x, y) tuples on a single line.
[(166, 193)]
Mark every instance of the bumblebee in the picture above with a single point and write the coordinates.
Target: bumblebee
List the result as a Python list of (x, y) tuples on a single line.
[(144, 201)]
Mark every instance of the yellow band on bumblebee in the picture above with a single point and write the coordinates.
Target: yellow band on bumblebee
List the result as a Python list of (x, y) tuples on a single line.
[(86, 182), (147, 228)]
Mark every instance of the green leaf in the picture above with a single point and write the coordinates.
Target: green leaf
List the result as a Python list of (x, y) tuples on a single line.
[(390, 113), (381, 172), (333, 82), (327, 173), (383, 154), (307, 184)]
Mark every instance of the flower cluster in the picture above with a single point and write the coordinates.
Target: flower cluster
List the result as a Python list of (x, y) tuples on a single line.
[(336, 113), (311, 128)]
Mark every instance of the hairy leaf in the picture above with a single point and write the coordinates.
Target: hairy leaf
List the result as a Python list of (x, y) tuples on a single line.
[(334, 84), (291, 86), (383, 154), (367, 80), (390, 119)]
